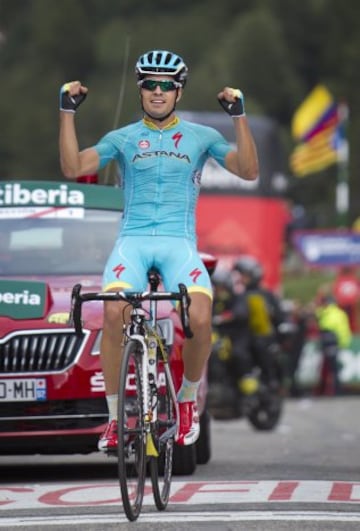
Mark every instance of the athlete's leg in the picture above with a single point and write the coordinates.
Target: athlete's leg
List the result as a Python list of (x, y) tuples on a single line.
[(197, 350), (124, 271), (115, 315), (195, 355), (183, 264)]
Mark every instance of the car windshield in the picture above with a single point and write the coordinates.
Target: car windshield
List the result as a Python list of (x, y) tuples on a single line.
[(57, 245)]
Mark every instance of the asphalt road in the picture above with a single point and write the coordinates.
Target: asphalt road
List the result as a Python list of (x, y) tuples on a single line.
[(303, 475)]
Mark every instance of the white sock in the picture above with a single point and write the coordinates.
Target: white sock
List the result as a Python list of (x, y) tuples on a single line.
[(112, 403), (188, 391)]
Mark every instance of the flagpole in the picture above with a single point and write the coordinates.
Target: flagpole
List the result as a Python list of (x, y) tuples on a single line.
[(342, 185)]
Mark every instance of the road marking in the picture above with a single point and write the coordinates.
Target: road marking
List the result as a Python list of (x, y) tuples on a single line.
[(187, 518), (190, 493)]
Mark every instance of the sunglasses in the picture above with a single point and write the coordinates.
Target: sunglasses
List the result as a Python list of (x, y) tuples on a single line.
[(165, 86)]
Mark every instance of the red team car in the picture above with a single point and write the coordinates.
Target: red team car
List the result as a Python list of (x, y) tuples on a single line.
[(54, 235)]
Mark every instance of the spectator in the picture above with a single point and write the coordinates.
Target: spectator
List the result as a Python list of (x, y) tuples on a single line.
[(335, 333), (300, 318), (346, 290)]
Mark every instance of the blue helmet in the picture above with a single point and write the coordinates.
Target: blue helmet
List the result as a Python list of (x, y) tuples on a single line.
[(161, 62)]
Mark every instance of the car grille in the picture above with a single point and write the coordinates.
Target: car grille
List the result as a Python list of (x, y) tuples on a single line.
[(48, 351)]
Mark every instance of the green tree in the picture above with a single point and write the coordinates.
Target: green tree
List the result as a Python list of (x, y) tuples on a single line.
[(274, 50)]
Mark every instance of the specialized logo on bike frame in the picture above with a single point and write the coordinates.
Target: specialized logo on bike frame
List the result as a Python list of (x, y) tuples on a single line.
[(161, 153), (144, 144), (195, 273), (19, 194)]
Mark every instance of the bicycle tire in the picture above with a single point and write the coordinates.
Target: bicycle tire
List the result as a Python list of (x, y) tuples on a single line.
[(161, 466), (266, 414), (131, 431)]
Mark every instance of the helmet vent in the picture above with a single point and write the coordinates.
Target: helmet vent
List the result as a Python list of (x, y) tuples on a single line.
[(161, 61)]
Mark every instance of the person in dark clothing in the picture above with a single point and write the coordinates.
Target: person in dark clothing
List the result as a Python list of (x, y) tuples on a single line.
[(230, 322), (265, 316), (300, 318)]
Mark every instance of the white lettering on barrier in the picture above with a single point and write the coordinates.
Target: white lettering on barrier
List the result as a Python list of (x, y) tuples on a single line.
[(25, 297), (193, 493), (15, 194)]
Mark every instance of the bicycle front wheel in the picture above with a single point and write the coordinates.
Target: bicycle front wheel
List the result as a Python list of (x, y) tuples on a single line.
[(131, 431), (163, 435)]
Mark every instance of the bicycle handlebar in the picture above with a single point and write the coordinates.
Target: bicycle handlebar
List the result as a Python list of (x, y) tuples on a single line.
[(77, 299)]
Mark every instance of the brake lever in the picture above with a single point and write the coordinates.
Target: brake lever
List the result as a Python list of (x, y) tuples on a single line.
[(75, 310)]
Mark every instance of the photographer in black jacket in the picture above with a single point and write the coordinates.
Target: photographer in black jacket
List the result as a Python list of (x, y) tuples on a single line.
[(264, 319)]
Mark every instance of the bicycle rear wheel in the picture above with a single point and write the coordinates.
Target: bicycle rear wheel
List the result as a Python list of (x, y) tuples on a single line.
[(131, 431), (163, 436)]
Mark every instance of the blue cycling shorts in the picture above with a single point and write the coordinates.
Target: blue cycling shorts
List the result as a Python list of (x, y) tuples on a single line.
[(177, 260)]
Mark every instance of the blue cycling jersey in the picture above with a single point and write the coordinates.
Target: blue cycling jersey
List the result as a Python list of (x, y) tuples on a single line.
[(161, 173)]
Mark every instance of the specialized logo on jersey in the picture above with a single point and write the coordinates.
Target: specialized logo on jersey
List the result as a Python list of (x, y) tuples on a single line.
[(162, 153), (118, 270), (195, 273), (144, 144), (176, 138)]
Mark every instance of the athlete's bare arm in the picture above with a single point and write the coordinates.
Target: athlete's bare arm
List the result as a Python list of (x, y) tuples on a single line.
[(244, 161), (74, 162)]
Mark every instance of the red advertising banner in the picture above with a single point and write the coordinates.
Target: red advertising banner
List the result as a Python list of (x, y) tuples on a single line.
[(230, 226)]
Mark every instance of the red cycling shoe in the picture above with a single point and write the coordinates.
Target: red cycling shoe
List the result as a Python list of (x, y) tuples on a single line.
[(188, 430), (109, 439)]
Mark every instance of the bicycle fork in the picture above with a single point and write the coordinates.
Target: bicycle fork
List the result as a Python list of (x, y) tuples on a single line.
[(154, 342)]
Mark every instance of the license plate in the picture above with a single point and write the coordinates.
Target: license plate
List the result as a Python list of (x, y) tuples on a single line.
[(23, 390)]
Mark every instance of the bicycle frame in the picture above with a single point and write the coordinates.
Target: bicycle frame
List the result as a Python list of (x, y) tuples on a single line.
[(152, 346)]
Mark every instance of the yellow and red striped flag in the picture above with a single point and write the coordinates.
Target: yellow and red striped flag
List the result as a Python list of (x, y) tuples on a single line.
[(314, 126)]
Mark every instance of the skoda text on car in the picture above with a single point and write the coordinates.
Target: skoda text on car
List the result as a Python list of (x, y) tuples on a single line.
[(54, 235)]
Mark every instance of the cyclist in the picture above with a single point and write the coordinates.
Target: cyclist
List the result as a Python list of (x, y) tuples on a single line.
[(160, 160)]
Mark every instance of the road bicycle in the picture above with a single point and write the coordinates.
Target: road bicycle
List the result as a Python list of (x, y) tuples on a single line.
[(147, 405)]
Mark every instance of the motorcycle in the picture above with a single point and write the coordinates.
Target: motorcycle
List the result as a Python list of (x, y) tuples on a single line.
[(252, 396)]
